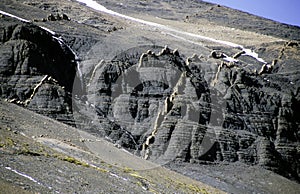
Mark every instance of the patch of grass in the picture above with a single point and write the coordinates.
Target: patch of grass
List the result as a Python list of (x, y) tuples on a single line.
[(75, 161), (135, 175), (69, 159), (127, 170), (132, 173), (101, 170), (153, 191), (25, 151), (43, 152), (141, 181), (37, 149), (189, 188), (196, 189), (46, 154), (9, 142), (19, 148)]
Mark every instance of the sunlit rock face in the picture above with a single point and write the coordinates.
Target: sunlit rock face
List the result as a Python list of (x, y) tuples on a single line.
[(159, 105), (148, 95), (237, 100)]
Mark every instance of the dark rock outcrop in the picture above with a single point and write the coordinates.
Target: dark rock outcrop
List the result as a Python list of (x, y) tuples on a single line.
[(161, 107), (260, 122), (36, 69), (155, 102)]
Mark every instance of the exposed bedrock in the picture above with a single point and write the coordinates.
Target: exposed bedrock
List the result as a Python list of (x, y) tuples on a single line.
[(36, 69), (164, 107), (161, 105)]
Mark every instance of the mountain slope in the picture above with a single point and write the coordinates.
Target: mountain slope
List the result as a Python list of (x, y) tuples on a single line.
[(224, 92), (41, 154)]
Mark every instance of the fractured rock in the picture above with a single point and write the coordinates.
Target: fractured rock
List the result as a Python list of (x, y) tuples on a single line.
[(36, 70)]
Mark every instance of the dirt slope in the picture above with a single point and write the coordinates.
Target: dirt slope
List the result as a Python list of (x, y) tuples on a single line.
[(39, 154)]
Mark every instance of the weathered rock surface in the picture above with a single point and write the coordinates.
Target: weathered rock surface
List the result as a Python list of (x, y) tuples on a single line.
[(244, 116), (225, 105), (37, 69)]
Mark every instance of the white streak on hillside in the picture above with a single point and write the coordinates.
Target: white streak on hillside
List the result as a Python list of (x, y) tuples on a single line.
[(96, 6), (117, 176), (54, 35), (48, 30), (230, 59), (13, 16), (23, 175), (28, 177), (251, 53)]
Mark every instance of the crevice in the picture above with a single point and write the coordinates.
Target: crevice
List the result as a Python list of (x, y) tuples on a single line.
[(215, 80), (35, 89), (94, 72), (168, 102)]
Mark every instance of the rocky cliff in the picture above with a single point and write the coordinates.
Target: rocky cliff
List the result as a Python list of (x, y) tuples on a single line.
[(248, 113), (223, 90), (37, 69)]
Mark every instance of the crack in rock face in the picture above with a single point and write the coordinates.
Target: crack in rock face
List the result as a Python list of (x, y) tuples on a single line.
[(153, 97), (238, 104), (36, 71), (155, 104)]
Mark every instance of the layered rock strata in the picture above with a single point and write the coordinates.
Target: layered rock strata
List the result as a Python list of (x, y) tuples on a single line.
[(166, 108), (37, 70)]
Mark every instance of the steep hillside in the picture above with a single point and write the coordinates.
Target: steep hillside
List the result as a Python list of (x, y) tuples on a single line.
[(39, 154), (37, 69), (189, 85)]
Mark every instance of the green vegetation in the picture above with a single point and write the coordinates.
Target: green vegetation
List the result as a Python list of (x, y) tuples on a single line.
[(189, 188), (196, 189), (74, 161), (78, 162), (9, 142), (136, 175), (23, 146), (26, 151), (127, 170), (101, 170)]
